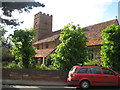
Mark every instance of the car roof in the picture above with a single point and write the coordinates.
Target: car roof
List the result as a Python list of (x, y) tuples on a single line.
[(92, 66), (88, 66)]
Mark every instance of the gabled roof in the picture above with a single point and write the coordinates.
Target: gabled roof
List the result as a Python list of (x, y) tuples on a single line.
[(43, 52), (93, 33), (47, 39)]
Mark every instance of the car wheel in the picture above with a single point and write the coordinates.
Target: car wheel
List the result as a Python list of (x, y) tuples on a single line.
[(85, 85)]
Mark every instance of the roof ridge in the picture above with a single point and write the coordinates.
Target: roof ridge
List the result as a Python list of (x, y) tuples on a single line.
[(56, 31), (101, 23)]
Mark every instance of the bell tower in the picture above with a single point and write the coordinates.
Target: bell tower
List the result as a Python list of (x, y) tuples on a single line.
[(42, 25)]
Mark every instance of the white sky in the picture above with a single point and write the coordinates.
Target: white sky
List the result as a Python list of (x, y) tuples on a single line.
[(83, 12)]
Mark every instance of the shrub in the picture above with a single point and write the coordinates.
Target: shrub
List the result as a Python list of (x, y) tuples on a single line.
[(51, 67), (92, 62), (43, 67), (13, 65)]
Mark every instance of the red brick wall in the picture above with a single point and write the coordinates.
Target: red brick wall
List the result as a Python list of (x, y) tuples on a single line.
[(34, 75)]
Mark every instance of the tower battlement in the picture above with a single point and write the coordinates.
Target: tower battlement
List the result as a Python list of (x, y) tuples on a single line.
[(40, 13)]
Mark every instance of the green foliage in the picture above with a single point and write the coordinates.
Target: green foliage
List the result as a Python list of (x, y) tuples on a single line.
[(91, 62), (51, 67), (2, 32), (43, 67), (6, 54), (13, 65), (23, 49), (4, 41), (19, 65), (111, 47), (0, 65), (5, 46), (9, 7), (72, 48)]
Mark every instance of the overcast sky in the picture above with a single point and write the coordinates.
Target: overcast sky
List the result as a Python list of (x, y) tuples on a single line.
[(83, 12)]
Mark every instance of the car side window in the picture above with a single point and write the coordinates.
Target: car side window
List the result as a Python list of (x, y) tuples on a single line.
[(83, 70), (107, 71), (94, 70)]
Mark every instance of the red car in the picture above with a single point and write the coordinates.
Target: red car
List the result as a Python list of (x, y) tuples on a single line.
[(87, 76)]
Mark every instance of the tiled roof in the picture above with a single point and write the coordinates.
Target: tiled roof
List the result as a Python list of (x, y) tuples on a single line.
[(43, 52), (93, 33), (47, 39)]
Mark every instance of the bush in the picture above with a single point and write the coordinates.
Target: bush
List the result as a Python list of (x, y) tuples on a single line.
[(51, 67), (43, 67), (0, 65), (12, 65), (91, 62), (19, 65)]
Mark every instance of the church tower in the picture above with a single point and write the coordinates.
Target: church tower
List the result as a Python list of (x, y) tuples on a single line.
[(42, 25)]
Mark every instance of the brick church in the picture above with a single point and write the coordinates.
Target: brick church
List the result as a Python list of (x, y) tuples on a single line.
[(46, 40)]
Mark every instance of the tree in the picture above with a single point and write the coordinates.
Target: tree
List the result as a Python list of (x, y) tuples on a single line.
[(9, 7), (5, 42), (5, 45), (72, 49), (111, 47), (23, 49)]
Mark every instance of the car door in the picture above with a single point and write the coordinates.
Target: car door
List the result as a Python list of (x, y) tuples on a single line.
[(109, 78), (94, 75), (118, 79), (81, 74)]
